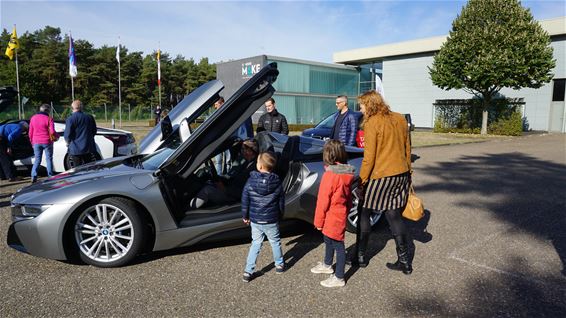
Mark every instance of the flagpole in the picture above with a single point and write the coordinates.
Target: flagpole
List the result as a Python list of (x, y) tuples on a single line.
[(72, 89), (20, 107), (119, 82), (159, 73)]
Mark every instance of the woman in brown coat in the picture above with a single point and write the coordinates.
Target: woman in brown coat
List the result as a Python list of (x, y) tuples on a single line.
[(385, 176)]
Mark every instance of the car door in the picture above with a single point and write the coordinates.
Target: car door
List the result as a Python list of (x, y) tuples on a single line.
[(221, 124), (193, 103)]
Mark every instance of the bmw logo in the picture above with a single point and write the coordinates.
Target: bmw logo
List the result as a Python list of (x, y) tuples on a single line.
[(105, 232)]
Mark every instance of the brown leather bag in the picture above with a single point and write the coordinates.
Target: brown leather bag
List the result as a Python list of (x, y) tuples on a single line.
[(414, 210)]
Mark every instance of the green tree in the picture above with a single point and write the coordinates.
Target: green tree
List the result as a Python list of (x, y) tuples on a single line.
[(493, 44)]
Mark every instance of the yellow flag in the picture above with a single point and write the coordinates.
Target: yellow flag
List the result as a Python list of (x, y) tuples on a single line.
[(14, 44)]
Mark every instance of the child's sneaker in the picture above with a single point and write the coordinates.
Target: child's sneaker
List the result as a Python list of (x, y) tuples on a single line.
[(247, 277), (322, 268), (279, 269), (333, 281)]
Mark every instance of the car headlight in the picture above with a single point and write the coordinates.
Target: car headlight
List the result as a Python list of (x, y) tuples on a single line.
[(29, 211)]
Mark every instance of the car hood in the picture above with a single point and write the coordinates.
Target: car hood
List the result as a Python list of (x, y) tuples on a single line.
[(54, 186)]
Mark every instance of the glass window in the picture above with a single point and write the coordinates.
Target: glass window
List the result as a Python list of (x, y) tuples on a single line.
[(558, 90)]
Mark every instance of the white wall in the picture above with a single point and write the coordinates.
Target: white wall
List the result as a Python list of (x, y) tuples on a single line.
[(408, 89)]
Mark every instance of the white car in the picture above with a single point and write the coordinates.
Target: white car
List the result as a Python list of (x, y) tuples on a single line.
[(109, 143)]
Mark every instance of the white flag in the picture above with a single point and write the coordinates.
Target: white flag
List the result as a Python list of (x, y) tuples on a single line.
[(118, 51)]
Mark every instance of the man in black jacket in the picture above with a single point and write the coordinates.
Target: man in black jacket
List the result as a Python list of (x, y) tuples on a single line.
[(272, 120)]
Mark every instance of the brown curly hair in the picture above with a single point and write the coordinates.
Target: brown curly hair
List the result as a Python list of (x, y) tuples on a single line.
[(374, 104)]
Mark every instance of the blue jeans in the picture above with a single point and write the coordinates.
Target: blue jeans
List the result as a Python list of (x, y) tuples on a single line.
[(338, 246), (38, 150), (259, 232), (222, 162)]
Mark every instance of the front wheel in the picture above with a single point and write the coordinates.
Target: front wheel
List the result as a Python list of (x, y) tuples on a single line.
[(352, 218), (109, 233)]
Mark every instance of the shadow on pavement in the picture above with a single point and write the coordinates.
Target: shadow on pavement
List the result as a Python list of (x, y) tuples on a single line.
[(525, 193)]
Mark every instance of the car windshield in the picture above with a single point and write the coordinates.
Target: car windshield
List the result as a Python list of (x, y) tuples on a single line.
[(327, 122)]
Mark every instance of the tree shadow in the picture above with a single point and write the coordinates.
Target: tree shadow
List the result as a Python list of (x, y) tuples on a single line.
[(526, 195)]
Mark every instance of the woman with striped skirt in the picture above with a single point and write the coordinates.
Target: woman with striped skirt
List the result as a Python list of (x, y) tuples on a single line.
[(385, 177)]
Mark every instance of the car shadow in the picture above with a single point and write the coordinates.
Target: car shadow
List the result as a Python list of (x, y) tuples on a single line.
[(238, 237), (303, 244)]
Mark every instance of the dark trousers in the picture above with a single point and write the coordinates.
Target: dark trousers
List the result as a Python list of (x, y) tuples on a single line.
[(6, 163), (393, 217), (79, 160), (338, 246)]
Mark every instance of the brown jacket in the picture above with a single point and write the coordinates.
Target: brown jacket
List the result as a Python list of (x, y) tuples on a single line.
[(387, 149)]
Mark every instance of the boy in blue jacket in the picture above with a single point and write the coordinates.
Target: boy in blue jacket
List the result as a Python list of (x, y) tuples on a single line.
[(263, 203)]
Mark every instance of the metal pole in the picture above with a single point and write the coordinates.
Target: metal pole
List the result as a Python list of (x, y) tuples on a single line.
[(105, 113), (72, 89), (129, 113), (119, 93), (20, 107)]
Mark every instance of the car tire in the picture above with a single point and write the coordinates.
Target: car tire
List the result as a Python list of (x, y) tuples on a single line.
[(67, 160), (352, 217), (109, 233)]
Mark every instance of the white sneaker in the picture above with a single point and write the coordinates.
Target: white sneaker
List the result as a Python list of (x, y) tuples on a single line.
[(333, 281), (322, 268)]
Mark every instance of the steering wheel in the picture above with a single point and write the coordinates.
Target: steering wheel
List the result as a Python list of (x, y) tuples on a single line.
[(210, 165)]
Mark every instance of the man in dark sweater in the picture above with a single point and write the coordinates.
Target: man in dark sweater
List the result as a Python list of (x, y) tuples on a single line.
[(80, 129), (345, 124), (272, 120)]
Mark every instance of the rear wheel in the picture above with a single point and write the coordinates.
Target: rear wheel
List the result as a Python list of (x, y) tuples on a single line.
[(109, 233), (352, 218)]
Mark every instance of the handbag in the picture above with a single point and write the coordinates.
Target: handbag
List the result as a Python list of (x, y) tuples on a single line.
[(414, 210), (52, 136)]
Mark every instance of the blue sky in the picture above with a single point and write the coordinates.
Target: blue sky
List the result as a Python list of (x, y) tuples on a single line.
[(224, 30)]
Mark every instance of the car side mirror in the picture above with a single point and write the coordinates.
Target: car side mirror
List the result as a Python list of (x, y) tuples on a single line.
[(184, 130)]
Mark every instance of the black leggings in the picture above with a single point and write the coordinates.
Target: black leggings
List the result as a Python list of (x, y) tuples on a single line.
[(394, 219)]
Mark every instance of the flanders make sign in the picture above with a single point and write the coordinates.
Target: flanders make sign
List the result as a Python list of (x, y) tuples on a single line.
[(249, 69)]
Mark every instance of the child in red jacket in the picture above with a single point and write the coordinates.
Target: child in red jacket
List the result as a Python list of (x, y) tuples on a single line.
[(332, 206)]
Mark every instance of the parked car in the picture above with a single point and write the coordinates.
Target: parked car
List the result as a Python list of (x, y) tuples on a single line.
[(106, 213), (323, 129), (109, 143)]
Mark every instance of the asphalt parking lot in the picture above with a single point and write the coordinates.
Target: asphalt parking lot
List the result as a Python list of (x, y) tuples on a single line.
[(493, 243)]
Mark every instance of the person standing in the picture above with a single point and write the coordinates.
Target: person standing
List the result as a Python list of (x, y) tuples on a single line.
[(42, 134), (9, 133), (272, 120), (345, 123), (80, 129), (263, 204), (333, 203), (385, 177), (157, 113), (221, 160)]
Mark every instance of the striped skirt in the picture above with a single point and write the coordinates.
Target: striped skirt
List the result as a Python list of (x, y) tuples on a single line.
[(387, 193)]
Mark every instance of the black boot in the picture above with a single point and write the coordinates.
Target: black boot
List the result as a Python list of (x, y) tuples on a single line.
[(362, 247), (403, 263)]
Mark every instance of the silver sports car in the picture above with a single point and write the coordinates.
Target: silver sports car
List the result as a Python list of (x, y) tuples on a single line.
[(108, 212)]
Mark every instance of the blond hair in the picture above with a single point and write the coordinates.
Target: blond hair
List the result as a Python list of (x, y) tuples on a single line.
[(267, 160)]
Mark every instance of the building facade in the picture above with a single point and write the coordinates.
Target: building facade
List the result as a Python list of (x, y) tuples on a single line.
[(305, 91), (408, 88)]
